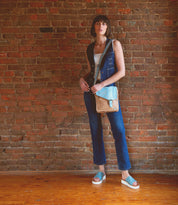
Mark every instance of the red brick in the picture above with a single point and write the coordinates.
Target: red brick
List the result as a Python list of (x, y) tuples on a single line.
[(7, 91), (36, 4), (8, 80), (67, 54), (168, 22), (124, 11), (2, 109), (14, 54), (54, 10), (25, 48), (3, 55), (34, 17), (30, 54), (28, 73), (132, 109), (9, 73), (99, 11), (138, 60), (8, 61)]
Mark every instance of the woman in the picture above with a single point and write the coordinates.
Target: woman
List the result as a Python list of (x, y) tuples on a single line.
[(112, 70)]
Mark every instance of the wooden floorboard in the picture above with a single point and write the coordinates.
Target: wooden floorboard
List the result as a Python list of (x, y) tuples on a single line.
[(77, 189)]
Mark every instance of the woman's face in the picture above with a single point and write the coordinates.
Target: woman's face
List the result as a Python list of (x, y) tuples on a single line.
[(100, 28)]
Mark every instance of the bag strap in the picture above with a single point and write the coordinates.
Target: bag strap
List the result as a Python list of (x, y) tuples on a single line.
[(104, 52)]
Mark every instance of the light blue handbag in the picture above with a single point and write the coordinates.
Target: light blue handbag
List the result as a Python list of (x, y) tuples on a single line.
[(107, 97)]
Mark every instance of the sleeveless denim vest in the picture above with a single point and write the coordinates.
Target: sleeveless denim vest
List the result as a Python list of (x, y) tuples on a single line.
[(108, 65)]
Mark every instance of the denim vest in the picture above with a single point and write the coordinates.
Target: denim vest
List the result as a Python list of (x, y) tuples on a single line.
[(108, 65)]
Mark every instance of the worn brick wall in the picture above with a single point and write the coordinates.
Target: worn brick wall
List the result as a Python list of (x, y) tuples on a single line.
[(43, 120)]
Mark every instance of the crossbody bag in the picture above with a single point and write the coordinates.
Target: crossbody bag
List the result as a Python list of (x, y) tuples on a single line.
[(107, 97)]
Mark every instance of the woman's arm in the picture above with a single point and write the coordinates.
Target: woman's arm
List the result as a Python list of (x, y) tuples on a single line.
[(83, 84), (119, 59)]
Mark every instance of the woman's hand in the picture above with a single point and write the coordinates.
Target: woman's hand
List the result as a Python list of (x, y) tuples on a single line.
[(84, 85), (96, 87)]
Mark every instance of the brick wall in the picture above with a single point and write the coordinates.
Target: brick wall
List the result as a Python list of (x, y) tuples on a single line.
[(43, 120)]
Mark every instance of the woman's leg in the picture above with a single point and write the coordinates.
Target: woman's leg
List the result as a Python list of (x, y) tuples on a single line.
[(99, 157), (118, 130)]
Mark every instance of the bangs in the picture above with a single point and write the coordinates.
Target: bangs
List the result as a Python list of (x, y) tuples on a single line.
[(101, 18)]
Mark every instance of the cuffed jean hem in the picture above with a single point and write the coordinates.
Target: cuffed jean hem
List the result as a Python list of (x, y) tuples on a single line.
[(124, 169), (99, 163)]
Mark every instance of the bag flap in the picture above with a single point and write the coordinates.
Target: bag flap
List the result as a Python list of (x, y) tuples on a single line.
[(108, 93)]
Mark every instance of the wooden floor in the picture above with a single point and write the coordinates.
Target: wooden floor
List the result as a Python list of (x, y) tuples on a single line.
[(31, 188)]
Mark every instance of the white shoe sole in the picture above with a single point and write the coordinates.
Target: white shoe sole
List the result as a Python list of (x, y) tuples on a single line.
[(104, 178), (127, 184)]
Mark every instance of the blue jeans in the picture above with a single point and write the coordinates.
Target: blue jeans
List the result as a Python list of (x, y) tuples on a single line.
[(118, 130)]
